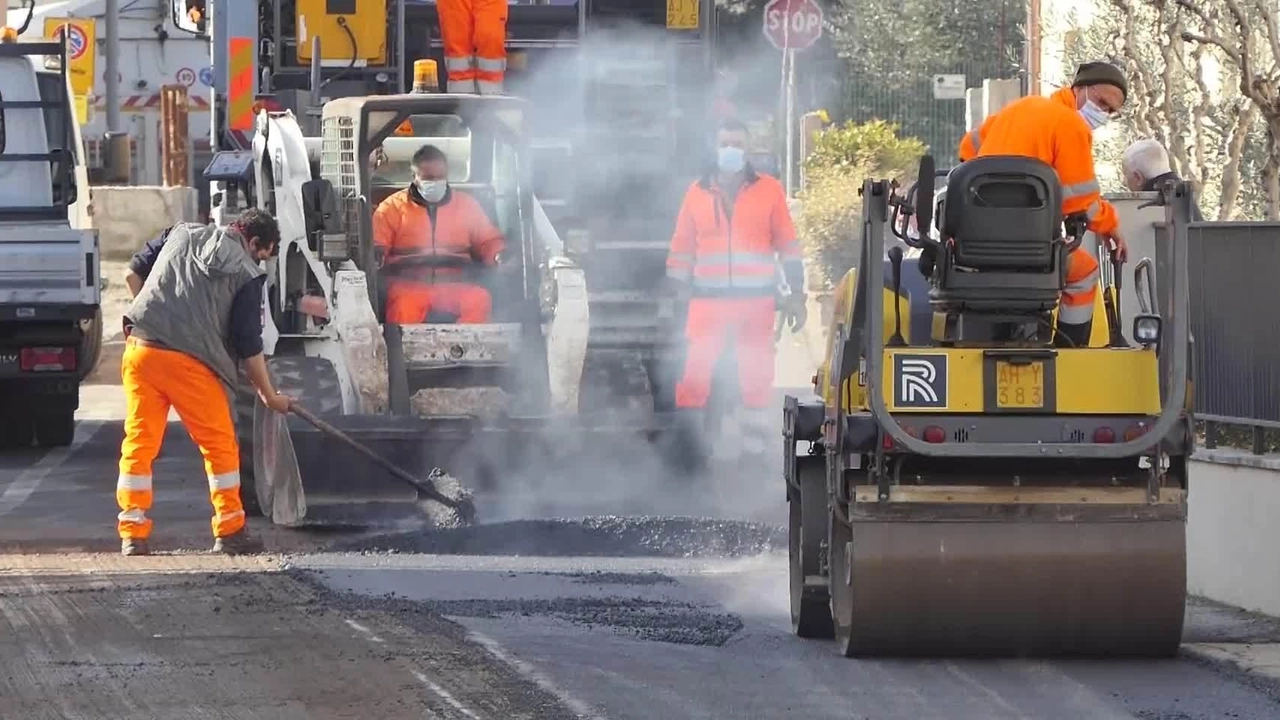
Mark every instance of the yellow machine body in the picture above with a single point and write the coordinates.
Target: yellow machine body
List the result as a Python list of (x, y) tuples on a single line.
[(337, 24)]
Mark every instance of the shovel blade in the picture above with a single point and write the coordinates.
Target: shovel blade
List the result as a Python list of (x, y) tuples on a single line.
[(278, 478)]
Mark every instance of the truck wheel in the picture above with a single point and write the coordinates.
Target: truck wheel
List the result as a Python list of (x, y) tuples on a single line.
[(310, 381), (16, 432), (55, 429), (810, 606), (90, 351)]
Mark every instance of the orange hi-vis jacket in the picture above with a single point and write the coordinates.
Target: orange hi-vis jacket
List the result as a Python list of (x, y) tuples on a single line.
[(1048, 129), (456, 227), (728, 250)]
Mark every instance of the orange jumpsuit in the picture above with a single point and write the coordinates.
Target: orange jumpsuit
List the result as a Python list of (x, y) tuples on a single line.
[(475, 44), (728, 251), (1049, 129), (457, 227)]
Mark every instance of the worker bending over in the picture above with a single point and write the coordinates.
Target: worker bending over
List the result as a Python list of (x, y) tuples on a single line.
[(1058, 130), (431, 218), (475, 44), (733, 228), (197, 309)]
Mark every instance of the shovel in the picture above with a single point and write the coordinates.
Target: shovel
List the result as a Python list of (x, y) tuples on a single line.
[(451, 506)]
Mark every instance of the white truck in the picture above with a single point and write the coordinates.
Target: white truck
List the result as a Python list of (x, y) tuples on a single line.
[(50, 282)]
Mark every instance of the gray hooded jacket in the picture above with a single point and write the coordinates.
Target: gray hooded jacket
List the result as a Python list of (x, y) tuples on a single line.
[(186, 301)]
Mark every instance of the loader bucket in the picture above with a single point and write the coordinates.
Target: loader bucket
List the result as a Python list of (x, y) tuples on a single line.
[(572, 454)]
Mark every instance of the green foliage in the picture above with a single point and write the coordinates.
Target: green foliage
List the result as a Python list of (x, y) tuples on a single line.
[(893, 50), (843, 156)]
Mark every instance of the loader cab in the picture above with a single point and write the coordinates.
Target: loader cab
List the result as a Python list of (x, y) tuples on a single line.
[(481, 138), (997, 257)]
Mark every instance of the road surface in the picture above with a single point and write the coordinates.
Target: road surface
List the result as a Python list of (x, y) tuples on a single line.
[(551, 610)]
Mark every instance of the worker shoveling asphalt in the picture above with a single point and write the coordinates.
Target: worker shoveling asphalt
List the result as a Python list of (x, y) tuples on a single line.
[(442, 499)]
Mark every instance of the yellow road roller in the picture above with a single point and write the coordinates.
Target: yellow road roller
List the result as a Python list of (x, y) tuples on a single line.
[(966, 482)]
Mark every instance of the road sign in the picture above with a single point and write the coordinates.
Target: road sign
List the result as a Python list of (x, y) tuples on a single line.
[(81, 51), (186, 76), (948, 87), (792, 24)]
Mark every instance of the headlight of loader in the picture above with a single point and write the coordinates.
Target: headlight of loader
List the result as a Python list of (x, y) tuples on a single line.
[(1146, 329)]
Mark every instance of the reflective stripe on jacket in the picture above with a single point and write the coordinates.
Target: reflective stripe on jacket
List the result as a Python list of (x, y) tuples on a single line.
[(403, 225), (733, 249), (1051, 130)]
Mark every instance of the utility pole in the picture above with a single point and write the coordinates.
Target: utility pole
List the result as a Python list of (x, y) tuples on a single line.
[(1032, 44), (112, 51)]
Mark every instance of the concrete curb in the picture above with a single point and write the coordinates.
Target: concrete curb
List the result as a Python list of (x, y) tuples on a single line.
[(1254, 664)]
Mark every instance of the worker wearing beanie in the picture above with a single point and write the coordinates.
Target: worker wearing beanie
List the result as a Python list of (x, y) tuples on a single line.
[(197, 309), (1058, 130), (475, 44)]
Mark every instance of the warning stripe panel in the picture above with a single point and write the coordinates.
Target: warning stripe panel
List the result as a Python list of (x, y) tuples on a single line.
[(143, 103), (240, 83)]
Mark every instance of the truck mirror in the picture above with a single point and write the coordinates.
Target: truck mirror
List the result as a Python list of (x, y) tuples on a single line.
[(190, 16)]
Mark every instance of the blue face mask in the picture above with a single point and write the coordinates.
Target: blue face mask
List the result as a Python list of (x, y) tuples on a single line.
[(731, 159)]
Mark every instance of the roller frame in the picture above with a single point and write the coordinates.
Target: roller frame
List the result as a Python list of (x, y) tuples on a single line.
[(1090, 533)]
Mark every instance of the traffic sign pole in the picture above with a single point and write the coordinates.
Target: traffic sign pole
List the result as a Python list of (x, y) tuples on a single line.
[(791, 26), (791, 121)]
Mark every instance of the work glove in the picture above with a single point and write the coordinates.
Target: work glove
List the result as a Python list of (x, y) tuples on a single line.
[(675, 293), (794, 312)]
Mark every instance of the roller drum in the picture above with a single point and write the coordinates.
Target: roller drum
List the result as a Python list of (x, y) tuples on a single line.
[(1003, 588)]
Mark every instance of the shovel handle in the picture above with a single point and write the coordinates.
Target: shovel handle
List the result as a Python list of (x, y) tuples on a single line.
[(350, 442)]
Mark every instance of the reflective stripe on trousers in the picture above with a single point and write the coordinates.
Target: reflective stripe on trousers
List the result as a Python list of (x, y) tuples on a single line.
[(460, 74), (156, 380), (1081, 290)]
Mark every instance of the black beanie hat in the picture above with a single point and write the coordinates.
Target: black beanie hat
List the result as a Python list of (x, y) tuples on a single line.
[(1101, 73)]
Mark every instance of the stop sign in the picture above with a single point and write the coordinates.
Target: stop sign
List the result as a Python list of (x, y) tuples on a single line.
[(793, 24)]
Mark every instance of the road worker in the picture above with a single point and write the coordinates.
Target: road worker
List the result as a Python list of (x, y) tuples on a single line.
[(1059, 131), (429, 218), (1145, 165), (733, 229), (197, 309), (475, 44)]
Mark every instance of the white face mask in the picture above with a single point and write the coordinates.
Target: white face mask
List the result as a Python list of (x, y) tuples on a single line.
[(432, 190), (1092, 114)]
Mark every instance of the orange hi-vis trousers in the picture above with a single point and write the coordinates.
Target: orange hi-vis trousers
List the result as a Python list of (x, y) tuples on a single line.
[(409, 302), (1076, 306), (475, 44), (156, 379), (712, 322)]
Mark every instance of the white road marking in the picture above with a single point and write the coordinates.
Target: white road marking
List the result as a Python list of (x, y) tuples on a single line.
[(29, 480), (529, 672), (444, 695), (364, 631), (422, 678)]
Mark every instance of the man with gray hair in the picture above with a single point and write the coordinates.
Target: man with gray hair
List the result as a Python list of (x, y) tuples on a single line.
[(1145, 165)]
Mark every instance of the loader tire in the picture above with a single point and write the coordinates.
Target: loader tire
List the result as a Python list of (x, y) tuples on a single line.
[(810, 606), (310, 381)]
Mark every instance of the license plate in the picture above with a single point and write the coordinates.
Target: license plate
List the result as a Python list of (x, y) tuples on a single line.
[(1020, 386)]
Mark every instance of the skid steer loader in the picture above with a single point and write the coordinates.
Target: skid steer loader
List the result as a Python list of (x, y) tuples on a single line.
[(959, 484), (477, 400)]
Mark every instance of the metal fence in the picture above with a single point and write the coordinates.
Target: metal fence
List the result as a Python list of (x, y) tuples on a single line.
[(891, 71), (1235, 286)]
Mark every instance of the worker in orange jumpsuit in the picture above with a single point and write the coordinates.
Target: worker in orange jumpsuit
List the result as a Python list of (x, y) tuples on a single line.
[(733, 229), (1059, 131), (431, 218), (196, 311), (475, 44)]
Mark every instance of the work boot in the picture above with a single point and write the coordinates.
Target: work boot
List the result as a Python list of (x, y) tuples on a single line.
[(238, 543), (134, 546), (1073, 335)]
